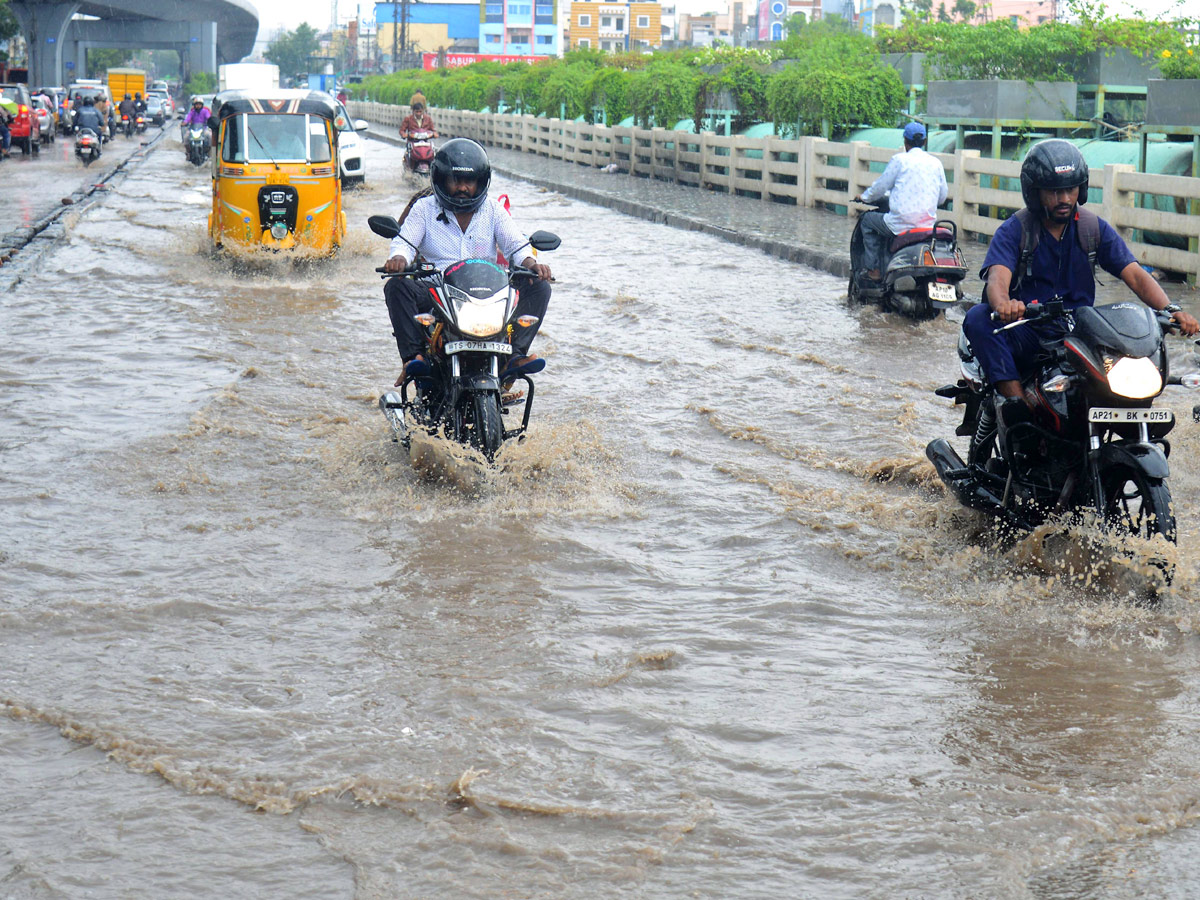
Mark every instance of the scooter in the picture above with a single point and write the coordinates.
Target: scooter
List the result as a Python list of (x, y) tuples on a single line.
[(139, 123), (922, 275), (87, 146), (127, 125), (196, 145), (459, 392), (418, 154)]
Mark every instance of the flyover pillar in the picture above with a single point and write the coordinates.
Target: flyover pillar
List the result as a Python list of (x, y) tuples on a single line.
[(44, 26)]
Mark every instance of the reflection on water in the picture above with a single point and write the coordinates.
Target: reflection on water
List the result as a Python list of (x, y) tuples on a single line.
[(713, 628)]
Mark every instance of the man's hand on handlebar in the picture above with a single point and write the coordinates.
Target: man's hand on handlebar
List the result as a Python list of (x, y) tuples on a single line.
[(1186, 322), (541, 271), (395, 264), (1007, 311)]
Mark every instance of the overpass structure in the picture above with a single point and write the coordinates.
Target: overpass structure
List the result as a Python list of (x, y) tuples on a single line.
[(206, 33)]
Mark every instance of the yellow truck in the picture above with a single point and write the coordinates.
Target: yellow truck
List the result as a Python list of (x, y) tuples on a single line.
[(126, 81)]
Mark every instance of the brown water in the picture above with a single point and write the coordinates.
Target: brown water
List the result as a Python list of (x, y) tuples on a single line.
[(713, 631)]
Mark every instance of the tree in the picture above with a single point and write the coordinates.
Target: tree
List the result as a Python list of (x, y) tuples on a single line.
[(8, 22), (965, 9), (100, 60), (291, 50), (943, 16)]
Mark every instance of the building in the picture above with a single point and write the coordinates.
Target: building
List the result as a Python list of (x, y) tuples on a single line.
[(773, 16), (878, 13), (426, 27), (519, 27), (603, 25)]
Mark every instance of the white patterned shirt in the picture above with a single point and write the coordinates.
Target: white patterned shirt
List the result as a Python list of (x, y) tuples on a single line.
[(917, 183), (442, 242)]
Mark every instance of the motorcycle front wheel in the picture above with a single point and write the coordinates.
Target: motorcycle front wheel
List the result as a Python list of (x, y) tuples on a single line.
[(487, 429), (1136, 504)]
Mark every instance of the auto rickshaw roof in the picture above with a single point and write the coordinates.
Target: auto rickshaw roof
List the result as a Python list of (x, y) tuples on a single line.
[(317, 103)]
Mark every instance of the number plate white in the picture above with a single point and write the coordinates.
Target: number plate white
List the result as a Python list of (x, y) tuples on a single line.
[(939, 291), (1102, 414), (478, 347)]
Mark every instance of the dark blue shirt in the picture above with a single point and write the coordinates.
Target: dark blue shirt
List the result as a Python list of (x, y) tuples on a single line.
[(1060, 267)]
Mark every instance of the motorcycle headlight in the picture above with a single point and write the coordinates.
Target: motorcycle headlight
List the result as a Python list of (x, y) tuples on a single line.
[(480, 319), (1136, 379)]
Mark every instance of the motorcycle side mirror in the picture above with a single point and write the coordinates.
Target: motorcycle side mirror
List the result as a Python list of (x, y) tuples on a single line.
[(544, 241), (384, 226)]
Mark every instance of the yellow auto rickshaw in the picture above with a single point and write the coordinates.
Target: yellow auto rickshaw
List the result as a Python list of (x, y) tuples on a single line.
[(275, 172)]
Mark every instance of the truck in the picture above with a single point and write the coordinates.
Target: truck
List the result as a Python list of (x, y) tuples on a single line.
[(260, 77), (126, 81)]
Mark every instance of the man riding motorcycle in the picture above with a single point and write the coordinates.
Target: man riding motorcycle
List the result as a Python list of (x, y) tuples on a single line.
[(1048, 251), (126, 109), (457, 221), (418, 119), (915, 184), (90, 117), (139, 104)]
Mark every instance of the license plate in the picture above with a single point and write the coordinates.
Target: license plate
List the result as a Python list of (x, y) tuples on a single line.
[(1101, 414), (478, 347), (939, 291)]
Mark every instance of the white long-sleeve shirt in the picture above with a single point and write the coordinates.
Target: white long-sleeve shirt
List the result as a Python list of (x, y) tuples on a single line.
[(442, 242), (917, 183)]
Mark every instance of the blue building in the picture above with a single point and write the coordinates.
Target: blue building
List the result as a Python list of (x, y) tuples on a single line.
[(519, 28), (431, 27)]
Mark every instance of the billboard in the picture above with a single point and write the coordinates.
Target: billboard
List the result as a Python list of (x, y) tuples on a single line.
[(429, 61)]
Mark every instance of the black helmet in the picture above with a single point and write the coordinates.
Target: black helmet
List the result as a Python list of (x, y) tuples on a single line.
[(462, 158), (127, 97), (1052, 165)]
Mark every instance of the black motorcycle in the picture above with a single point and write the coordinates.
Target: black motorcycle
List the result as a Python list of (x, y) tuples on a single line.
[(1091, 439), (463, 392), (922, 274), (87, 146), (196, 144)]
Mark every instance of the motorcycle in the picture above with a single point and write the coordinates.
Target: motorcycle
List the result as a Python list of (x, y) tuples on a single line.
[(1092, 440), (922, 275), (418, 154), (196, 145), (139, 123), (462, 393), (87, 146), (127, 125)]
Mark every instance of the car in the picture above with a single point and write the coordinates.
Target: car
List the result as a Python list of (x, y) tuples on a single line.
[(100, 95), (350, 147), (165, 98), (156, 111), (43, 108), (25, 130)]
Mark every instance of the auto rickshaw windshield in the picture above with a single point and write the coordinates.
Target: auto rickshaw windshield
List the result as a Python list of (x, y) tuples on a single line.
[(276, 137)]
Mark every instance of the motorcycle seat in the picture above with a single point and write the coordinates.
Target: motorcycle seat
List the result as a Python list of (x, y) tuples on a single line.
[(918, 236)]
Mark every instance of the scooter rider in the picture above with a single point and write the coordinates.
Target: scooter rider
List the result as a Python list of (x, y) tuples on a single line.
[(418, 119), (457, 221), (90, 117), (126, 108), (915, 183), (1054, 184), (139, 105)]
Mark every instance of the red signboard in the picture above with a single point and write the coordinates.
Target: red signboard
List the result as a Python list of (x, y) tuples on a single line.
[(431, 61)]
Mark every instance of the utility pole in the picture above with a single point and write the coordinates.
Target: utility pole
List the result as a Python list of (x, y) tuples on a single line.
[(404, 30), (395, 35)]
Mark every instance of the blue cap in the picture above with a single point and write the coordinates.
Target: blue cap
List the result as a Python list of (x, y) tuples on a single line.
[(914, 132)]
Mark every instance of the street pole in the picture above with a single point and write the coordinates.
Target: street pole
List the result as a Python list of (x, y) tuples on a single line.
[(404, 30), (395, 35)]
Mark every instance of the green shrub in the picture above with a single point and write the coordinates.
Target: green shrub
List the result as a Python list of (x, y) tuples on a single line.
[(809, 98), (1180, 64), (663, 93)]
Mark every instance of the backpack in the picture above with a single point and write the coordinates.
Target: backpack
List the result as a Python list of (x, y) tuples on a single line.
[(1087, 233)]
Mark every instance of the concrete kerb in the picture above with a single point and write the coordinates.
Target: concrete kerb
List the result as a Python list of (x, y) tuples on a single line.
[(19, 238), (834, 263)]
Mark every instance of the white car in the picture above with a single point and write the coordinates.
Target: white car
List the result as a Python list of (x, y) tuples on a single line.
[(350, 142)]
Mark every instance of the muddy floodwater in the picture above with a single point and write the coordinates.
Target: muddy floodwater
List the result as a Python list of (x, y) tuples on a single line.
[(712, 631)]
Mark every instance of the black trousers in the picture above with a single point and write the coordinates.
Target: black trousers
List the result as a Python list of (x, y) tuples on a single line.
[(406, 298)]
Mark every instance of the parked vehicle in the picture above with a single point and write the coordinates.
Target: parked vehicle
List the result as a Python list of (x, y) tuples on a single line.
[(155, 110), (418, 155), (1093, 439), (462, 394), (923, 273), (276, 185), (168, 103), (350, 147), (87, 146), (24, 129)]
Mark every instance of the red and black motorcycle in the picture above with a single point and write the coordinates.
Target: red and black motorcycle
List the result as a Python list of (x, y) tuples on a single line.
[(418, 155)]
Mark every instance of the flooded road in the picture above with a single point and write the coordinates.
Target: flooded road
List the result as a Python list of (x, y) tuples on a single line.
[(712, 632)]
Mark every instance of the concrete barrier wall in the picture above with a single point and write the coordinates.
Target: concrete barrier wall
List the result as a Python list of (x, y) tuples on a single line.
[(811, 171)]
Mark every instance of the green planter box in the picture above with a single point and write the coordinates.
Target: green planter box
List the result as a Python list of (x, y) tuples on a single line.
[(1173, 102), (911, 66), (1002, 99)]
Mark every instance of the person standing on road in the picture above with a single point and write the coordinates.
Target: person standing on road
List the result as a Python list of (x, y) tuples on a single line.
[(915, 183)]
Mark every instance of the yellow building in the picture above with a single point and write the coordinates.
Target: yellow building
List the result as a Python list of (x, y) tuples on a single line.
[(601, 25)]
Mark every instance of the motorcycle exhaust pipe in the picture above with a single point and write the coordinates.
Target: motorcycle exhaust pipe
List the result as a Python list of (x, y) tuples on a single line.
[(949, 465)]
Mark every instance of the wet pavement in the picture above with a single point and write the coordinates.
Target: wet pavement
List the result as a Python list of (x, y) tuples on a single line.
[(814, 237)]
